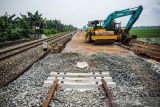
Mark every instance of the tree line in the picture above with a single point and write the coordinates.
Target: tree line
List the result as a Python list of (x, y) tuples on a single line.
[(13, 28)]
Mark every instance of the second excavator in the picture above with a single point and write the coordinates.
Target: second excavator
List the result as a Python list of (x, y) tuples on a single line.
[(108, 31)]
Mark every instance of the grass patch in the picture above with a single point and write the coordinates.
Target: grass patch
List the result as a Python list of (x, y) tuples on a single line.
[(145, 33)]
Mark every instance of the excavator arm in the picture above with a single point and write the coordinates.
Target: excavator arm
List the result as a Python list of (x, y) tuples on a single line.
[(134, 12)]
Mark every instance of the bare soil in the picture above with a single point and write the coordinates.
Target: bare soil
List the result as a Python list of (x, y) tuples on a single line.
[(146, 50), (78, 45)]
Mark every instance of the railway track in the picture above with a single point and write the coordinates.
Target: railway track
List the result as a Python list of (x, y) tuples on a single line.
[(9, 43), (58, 41), (80, 82), (6, 53)]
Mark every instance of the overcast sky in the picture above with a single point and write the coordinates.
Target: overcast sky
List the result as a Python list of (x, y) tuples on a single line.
[(79, 12)]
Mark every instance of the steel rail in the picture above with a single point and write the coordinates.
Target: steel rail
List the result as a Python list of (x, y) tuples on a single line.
[(50, 94), (108, 92)]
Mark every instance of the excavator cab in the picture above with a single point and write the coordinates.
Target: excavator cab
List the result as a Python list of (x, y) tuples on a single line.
[(116, 27)]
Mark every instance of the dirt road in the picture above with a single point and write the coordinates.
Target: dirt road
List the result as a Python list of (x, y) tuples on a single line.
[(78, 45)]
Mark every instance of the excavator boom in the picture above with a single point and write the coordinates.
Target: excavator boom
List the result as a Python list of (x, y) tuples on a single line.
[(134, 12)]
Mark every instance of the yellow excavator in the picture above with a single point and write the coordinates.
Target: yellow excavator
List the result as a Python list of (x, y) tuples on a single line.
[(108, 31)]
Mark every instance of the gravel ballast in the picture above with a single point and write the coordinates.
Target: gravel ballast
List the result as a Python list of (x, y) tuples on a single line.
[(137, 81), (12, 66), (75, 98)]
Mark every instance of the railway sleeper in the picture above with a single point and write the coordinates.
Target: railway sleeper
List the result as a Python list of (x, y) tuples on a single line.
[(79, 81)]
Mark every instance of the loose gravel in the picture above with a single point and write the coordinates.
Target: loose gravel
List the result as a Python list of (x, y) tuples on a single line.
[(75, 98), (13, 65), (137, 82)]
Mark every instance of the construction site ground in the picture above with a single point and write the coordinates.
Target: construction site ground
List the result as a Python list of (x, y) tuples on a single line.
[(137, 79), (78, 45)]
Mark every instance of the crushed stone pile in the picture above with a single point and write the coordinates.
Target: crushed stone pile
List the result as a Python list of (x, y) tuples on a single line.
[(137, 81)]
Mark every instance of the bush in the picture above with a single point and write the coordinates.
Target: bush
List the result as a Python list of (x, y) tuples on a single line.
[(54, 31), (49, 31)]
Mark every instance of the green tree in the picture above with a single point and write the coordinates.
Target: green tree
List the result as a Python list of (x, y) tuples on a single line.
[(12, 27), (7, 26)]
